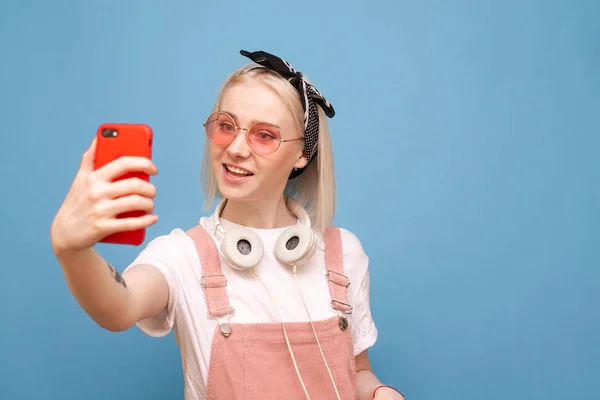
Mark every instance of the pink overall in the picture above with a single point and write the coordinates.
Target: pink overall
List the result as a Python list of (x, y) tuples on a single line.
[(252, 361)]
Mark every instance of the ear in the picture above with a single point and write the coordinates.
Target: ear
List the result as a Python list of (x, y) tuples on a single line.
[(301, 162)]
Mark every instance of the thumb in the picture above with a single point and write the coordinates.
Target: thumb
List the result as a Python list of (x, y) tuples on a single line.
[(87, 160)]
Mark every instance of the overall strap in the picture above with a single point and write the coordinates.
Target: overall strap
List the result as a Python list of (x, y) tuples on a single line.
[(214, 283), (334, 259)]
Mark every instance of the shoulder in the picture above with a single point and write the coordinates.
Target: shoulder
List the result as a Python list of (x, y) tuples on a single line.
[(355, 256), (177, 245), (174, 254), (178, 238), (351, 245), (173, 240), (173, 249)]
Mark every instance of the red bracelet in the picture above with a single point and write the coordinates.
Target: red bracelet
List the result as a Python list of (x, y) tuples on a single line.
[(385, 386)]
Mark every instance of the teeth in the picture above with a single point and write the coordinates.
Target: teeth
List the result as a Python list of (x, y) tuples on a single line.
[(237, 170)]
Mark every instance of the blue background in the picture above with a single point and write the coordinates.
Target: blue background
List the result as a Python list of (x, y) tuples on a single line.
[(467, 143)]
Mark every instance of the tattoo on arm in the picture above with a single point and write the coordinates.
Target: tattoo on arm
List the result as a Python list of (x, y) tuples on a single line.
[(116, 275)]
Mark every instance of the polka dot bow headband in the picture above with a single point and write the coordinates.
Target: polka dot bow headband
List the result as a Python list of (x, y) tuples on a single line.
[(309, 96)]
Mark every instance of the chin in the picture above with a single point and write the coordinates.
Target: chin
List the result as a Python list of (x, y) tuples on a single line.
[(238, 191), (235, 194)]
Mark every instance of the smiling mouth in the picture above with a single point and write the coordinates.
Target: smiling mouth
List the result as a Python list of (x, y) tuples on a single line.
[(236, 171)]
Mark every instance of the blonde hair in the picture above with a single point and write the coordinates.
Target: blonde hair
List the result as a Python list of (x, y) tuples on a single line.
[(315, 188)]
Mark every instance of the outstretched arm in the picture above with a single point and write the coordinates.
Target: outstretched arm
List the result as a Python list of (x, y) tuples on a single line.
[(113, 301), (90, 212)]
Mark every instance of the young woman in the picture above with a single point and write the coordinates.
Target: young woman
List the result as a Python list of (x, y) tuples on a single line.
[(268, 300)]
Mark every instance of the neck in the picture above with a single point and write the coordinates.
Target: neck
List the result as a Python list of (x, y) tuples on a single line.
[(263, 214)]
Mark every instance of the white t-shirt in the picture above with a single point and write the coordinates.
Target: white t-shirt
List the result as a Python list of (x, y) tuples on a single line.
[(176, 257)]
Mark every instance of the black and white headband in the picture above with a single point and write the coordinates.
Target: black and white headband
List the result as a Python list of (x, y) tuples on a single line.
[(309, 96)]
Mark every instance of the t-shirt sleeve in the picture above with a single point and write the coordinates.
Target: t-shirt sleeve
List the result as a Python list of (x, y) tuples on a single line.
[(363, 329), (159, 254)]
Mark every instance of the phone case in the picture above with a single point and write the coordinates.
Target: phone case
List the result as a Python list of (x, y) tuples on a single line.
[(117, 140)]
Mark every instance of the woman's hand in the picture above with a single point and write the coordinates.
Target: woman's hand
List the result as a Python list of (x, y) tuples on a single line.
[(385, 393), (89, 210), (367, 384)]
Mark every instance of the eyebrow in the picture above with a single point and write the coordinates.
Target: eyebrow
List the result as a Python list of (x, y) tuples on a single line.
[(251, 122)]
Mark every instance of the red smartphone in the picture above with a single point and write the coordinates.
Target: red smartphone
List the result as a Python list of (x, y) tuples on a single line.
[(117, 140)]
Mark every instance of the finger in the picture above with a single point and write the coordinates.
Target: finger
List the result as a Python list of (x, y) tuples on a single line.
[(87, 160), (129, 224), (129, 186), (125, 204), (122, 165)]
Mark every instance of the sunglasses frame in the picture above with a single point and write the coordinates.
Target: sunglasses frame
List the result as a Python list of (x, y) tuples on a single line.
[(239, 128)]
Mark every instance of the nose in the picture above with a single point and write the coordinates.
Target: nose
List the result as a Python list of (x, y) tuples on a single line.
[(239, 147)]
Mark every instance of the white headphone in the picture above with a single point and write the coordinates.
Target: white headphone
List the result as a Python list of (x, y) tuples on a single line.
[(242, 248)]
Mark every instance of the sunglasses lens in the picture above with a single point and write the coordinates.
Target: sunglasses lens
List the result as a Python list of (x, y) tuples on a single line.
[(220, 129), (264, 138)]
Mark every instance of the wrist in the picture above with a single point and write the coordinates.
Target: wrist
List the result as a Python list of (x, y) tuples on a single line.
[(59, 247), (66, 255), (63, 251)]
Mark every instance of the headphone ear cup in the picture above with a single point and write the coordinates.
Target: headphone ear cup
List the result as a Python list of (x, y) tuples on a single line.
[(295, 245), (242, 248)]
